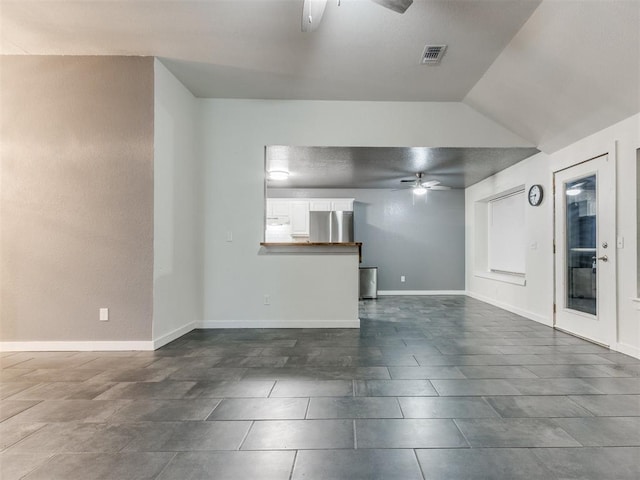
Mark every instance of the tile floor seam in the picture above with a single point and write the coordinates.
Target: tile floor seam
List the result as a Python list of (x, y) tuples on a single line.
[(211, 412), (415, 454), (400, 407), (355, 434), (293, 465), (306, 410), (275, 382), (36, 467), (166, 465), (469, 444), (244, 439), (488, 403)]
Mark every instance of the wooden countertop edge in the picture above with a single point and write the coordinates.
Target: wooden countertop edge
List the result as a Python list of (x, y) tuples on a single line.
[(311, 244)]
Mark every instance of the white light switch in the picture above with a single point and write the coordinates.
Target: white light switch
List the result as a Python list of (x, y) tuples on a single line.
[(104, 314), (229, 236), (402, 279)]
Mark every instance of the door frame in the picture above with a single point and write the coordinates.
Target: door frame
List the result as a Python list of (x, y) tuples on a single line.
[(611, 335)]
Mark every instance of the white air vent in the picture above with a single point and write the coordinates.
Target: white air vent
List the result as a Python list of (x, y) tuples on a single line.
[(432, 54)]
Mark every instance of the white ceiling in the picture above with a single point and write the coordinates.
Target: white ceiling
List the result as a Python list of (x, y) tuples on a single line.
[(572, 70), (551, 72), (256, 49)]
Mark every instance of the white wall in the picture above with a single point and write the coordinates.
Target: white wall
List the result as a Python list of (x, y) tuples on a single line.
[(530, 300), (305, 289), (535, 299), (177, 275)]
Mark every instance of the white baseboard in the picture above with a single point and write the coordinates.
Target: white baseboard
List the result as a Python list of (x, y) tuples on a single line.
[(510, 308), (626, 349), (280, 324), (75, 346), (171, 336), (385, 293)]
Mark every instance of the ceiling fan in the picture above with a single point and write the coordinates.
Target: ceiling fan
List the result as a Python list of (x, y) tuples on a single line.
[(420, 187), (399, 6), (312, 10)]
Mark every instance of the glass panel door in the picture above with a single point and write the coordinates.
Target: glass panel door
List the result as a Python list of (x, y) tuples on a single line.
[(581, 244)]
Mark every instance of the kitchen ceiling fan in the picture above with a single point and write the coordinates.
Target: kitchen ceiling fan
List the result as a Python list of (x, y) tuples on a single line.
[(419, 186)]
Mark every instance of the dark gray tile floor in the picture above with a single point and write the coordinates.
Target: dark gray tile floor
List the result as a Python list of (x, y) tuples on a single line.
[(428, 388)]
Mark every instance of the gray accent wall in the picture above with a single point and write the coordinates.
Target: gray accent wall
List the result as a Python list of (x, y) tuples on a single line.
[(76, 198), (422, 239)]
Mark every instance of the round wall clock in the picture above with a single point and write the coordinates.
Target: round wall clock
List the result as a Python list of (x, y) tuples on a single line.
[(535, 195)]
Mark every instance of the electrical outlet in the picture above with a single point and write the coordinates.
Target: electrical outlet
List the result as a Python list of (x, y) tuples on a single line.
[(267, 299), (402, 278), (104, 314)]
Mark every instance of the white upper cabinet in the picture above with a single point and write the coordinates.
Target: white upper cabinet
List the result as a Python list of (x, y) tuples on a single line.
[(278, 211), (320, 205), (289, 217), (299, 218), (342, 205), (330, 204)]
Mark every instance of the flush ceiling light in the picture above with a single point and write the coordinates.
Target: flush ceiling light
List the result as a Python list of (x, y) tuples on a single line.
[(278, 175), (420, 190)]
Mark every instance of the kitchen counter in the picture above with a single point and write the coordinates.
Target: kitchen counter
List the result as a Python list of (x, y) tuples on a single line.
[(316, 244)]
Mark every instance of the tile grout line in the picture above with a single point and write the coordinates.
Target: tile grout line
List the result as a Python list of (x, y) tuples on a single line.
[(213, 409), (244, 439), (415, 453), (462, 433), (175, 454), (355, 435), (306, 411), (293, 464), (400, 407), (272, 388)]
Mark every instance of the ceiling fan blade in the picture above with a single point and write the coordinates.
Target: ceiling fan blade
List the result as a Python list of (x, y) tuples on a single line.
[(399, 6), (439, 187), (430, 183), (412, 181)]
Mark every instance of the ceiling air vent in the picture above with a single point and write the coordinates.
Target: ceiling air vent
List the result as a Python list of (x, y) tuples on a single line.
[(432, 54)]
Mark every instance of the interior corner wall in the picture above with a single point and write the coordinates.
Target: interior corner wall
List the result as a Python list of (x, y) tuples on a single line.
[(76, 201), (420, 238), (177, 276), (535, 299), (304, 289)]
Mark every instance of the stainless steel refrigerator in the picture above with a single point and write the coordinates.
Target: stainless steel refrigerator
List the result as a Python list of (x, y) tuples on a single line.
[(334, 227)]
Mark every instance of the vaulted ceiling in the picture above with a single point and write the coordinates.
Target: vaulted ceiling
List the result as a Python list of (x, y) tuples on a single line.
[(551, 71)]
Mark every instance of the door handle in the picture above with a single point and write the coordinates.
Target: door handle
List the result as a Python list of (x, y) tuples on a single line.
[(604, 258)]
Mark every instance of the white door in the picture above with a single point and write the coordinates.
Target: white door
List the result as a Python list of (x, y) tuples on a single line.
[(585, 261)]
